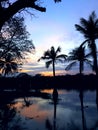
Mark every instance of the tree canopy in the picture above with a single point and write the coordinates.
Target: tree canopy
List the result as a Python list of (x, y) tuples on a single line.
[(14, 44), (9, 8), (78, 55), (51, 56), (89, 28)]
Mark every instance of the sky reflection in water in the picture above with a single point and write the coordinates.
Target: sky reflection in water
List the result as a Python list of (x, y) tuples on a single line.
[(68, 111)]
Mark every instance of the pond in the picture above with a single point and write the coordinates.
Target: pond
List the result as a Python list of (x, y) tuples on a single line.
[(72, 110)]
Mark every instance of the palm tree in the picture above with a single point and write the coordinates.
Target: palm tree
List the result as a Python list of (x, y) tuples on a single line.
[(89, 28), (8, 65), (51, 56), (78, 55)]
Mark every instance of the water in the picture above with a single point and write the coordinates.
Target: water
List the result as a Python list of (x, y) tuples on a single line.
[(73, 110)]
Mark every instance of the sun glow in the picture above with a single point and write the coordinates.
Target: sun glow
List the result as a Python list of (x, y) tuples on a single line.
[(50, 91), (50, 73)]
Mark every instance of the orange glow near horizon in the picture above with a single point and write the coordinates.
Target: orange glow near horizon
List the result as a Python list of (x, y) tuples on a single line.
[(44, 73), (50, 73), (50, 91), (25, 71)]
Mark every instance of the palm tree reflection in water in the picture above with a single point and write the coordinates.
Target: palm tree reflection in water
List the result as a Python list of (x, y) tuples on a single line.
[(82, 110), (55, 100), (27, 102), (97, 98), (49, 126)]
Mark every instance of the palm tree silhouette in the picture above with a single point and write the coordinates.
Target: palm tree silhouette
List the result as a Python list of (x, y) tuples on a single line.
[(8, 65), (89, 28), (51, 56), (78, 55)]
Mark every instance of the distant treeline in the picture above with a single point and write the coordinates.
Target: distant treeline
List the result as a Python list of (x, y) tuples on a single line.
[(41, 82)]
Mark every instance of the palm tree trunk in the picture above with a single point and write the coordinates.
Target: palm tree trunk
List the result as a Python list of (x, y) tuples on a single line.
[(94, 54), (53, 69), (80, 67)]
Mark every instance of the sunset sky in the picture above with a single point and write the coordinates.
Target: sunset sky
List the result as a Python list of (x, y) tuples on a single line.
[(56, 28)]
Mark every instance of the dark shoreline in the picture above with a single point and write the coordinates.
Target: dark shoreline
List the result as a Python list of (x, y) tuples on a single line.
[(26, 83)]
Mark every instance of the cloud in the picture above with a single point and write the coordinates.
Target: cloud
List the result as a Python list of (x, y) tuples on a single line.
[(66, 40), (39, 68)]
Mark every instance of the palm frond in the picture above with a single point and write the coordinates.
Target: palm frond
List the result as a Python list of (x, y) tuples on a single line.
[(58, 50), (92, 47), (57, 1), (70, 58), (88, 55), (48, 63), (47, 53), (62, 56), (96, 22), (83, 43), (92, 17), (88, 62), (43, 58), (14, 66), (84, 23), (38, 59), (74, 54), (59, 60), (81, 29), (71, 65), (1, 65)]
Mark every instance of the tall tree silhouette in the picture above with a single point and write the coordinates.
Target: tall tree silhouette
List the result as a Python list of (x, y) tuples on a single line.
[(9, 8), (78, 55), (51, 56), (14, 44), (89, 28)]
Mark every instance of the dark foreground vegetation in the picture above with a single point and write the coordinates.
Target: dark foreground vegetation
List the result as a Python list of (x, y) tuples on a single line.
[(27, 83)]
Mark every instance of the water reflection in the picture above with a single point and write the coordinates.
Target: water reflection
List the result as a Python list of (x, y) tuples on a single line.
[(62, 110), (49, 126), (8, 119), (82, 110), (27, 102), (55, 101), (97, 98)]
